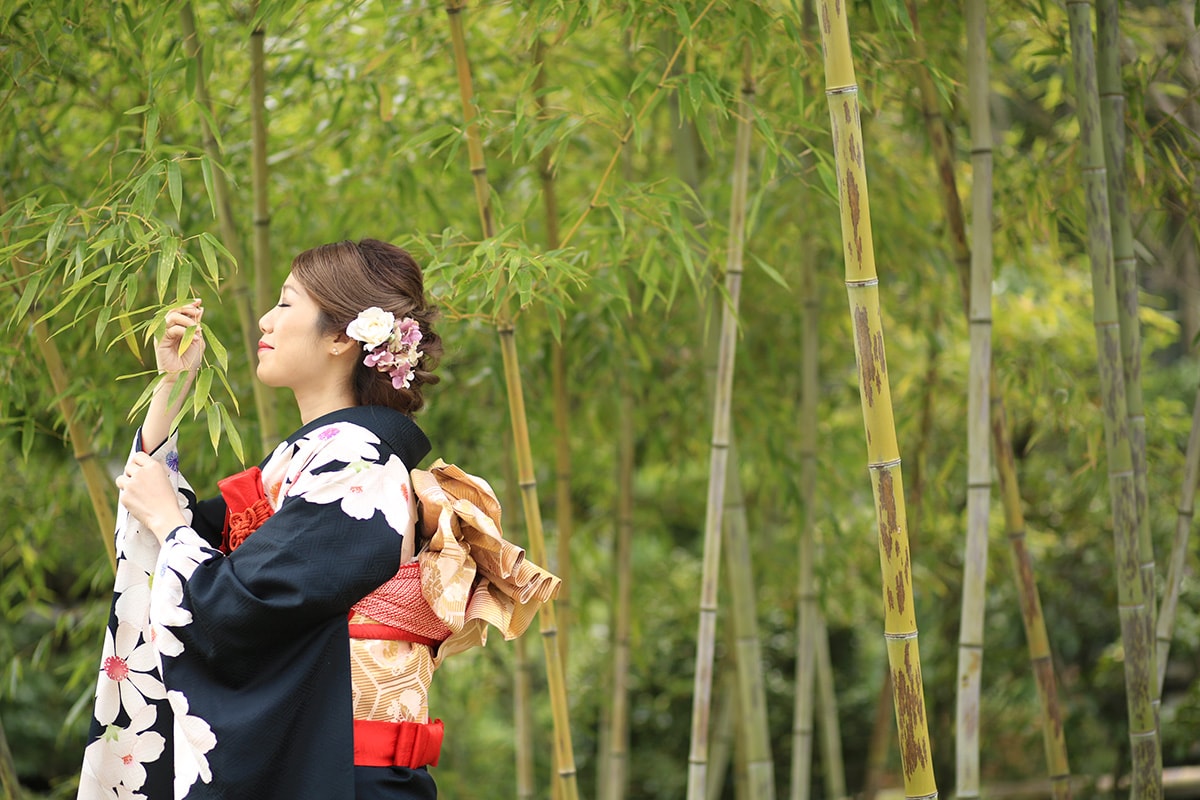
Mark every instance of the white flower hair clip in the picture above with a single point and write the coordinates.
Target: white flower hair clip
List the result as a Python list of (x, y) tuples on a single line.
[(391, 344)]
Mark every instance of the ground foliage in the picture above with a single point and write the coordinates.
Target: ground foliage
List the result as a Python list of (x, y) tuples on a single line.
[(109, 217)]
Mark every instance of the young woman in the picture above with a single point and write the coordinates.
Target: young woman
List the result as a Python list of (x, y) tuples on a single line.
[(277, 641)]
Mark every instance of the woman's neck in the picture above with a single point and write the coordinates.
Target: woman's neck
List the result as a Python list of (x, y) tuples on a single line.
[(317, 404)]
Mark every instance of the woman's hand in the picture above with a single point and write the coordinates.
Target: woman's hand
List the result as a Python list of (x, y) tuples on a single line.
[(147, 492), (182, 323)]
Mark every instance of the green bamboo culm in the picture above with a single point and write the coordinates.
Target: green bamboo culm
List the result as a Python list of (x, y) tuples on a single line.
[(1034, 621), (831, 732), (239, 289), (564, 756), (563, 506), (719, 450), (1136, 631), (522, 666), (1112, 117), (1179, 547), (807, 607), (618, 732), (968, 715), (883, 453), (263, 285)]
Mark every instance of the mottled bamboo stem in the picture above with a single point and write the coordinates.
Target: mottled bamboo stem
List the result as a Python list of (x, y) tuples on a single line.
[(548, 623), (1112, 115), (1137, 633), (239, 288), (883, 454)]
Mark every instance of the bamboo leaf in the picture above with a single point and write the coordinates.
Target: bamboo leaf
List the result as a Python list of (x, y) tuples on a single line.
[(200, 394), (175, 186), (219, 351), (206, 171), (166, 263), (213, 415), (235, 438)]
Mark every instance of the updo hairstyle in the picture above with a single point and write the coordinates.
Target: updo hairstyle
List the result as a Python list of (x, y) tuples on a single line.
[(345, 279)]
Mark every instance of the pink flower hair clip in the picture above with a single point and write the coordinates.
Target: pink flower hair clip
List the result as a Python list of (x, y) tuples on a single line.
[(391, 344)]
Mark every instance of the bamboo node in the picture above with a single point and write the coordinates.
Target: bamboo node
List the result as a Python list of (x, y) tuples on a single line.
[(901, 637), (858, 283), (836, 90), (882, 465)]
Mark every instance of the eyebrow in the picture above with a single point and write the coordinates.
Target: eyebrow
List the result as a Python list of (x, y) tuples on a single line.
[(287, 287)]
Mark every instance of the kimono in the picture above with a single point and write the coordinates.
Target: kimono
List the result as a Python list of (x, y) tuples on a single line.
[(228, 674)]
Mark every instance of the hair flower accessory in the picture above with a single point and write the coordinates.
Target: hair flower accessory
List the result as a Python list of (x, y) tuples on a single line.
[(391, 344)]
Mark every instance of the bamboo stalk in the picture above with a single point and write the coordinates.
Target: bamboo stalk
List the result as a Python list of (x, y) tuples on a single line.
[(99, 485), (262, 207), (883, 454), (831, 734), (1136, 631), (506, 330), (979, 467), (752, 692), (807, 598), (721, 748), (1037, 639), (1112, 117), (10, 783), (239, 289), (719, 452), (618, 742), (522, 667), (563, 507), (879, 743), (1183, 525)]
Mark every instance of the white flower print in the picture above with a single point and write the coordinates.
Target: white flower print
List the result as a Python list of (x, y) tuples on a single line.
[(193, 740), (338, 441), (116, 759), (364, 488), (372, 327), (127, 675), (178, 560)]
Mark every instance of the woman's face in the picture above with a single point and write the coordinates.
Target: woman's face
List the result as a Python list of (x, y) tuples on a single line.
[(292, 352)]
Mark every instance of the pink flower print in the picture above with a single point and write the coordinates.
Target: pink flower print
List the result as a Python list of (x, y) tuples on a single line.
[(328, 433)]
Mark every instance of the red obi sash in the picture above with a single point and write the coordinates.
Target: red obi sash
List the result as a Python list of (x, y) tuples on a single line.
[(397, 744)]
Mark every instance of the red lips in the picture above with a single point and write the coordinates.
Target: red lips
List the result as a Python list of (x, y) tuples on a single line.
[(264, 346)]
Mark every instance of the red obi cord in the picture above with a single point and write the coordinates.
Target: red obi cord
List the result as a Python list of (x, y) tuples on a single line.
[(397, 744), (246, 507)]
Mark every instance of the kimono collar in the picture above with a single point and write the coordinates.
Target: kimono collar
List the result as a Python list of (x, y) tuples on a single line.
[(403, 435)]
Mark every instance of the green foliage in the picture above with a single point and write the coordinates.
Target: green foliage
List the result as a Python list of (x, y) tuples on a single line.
[(108, 218)]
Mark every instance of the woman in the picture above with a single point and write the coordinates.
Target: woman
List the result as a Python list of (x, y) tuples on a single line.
[(269, 643)]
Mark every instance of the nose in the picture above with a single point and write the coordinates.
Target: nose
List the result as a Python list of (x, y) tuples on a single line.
[(264, 322)]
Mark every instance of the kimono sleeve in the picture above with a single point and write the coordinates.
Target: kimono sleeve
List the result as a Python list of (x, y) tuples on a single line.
[(206, 517), (336, 536)]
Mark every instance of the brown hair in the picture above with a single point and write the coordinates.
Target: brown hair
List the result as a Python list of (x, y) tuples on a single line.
[(345, 279)]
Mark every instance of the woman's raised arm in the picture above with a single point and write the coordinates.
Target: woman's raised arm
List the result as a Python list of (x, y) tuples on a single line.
[(175, 367)]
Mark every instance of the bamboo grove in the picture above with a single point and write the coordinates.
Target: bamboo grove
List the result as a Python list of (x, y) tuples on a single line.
[(645, 223)]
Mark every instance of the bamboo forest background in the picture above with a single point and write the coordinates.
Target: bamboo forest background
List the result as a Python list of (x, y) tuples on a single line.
[(574, 180)]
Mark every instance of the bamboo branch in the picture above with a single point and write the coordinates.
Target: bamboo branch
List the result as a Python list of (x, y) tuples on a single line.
[(1179, 549), (883, 453), (505, 328), (238, 288)]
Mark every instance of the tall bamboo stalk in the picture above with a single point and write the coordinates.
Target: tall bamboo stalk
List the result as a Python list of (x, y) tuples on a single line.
[(563, 507), (979, 467), (618, 742), (522, 666), (806, 600), (99, 485), (1136, 631), (719, 453), (720, 750), (752, 692), (1179, 548), (883, 454), (831, 732), (239, 288), (10, 784), (506, 330), (1112, 116), (1036, 637)]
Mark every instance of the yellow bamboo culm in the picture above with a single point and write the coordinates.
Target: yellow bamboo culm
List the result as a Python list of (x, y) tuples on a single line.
[(883, 454), (548, 624)]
